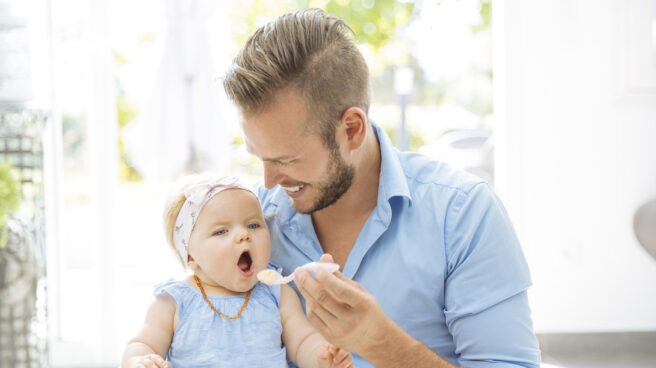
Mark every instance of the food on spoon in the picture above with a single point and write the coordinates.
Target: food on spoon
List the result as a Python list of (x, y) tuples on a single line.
[(268, 276)]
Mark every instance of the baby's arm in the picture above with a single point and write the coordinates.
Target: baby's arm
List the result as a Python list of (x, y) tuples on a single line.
[(152, 343), (305, 345)]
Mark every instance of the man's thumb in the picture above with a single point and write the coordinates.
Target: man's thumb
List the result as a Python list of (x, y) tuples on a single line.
[(326, 258)]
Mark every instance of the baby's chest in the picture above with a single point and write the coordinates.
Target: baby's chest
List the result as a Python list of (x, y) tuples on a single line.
[(204, 335)]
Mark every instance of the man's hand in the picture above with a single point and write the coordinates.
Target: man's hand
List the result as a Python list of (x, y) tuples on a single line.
[(343, 311)]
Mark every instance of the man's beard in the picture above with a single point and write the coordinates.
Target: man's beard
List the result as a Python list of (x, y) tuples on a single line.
[(339, 181)]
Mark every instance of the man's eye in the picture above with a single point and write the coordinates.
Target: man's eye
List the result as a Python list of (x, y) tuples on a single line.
[(253, 226), (221, 232)]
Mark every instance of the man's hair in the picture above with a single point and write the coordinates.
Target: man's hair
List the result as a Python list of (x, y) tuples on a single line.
[(309, 52)]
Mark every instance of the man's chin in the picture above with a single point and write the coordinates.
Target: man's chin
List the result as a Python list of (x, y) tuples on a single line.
[(304, 203), (302, 207), (308, 207)]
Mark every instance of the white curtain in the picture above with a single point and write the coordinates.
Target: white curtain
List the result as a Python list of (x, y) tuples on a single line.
[(181, 131)]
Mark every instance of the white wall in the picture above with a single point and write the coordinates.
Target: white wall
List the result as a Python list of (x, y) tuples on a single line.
[(575, 108)]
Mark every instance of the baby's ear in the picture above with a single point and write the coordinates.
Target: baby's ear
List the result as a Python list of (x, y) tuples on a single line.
[(191, 263)]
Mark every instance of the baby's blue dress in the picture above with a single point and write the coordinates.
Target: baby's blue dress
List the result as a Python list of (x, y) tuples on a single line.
[(204, 339)]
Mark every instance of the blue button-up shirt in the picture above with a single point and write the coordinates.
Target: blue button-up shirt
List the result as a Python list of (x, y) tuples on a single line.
[(440, 255)]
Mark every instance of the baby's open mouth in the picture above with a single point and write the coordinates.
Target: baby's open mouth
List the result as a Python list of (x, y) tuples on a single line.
[(245, 262)]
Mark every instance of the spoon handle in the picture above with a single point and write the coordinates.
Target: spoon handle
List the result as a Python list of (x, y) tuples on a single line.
[(315, 266), (310, 267), (285, 279)]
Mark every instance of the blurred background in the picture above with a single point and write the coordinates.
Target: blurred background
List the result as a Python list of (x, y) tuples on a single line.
[(103, 104)]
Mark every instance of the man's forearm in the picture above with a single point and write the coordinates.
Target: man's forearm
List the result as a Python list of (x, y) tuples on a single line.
[(398, 349)]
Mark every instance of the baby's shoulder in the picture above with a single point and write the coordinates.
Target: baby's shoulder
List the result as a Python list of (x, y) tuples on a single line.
[(174, 290), (171, 285), (162, 312), (165, 303)]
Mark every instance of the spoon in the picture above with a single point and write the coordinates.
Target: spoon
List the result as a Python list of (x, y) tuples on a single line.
[(271, 277)]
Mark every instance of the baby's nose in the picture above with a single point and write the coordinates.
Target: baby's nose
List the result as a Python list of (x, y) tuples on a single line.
[(243, 235)]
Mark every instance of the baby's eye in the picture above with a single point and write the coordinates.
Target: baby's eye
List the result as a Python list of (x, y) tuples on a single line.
[(253, 226), (221, 232)]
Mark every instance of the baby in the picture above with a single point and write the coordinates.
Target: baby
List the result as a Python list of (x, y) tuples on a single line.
[(221, 316)]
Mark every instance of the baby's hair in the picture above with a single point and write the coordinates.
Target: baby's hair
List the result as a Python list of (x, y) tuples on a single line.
[(176, 200), (171, 210)]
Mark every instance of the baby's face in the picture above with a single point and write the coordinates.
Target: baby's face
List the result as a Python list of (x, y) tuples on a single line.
[(230, 242)]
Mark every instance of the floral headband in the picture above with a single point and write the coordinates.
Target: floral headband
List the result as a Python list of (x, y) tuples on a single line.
[(196, 198)]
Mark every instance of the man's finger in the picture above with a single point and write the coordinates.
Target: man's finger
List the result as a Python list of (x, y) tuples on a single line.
[(326, 257), (341, 288), (317, 322), (316, 294), (341, 276), (310, 288), (328, 318), (306, 284)]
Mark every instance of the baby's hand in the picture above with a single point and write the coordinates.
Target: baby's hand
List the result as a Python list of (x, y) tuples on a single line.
[(334, 357), (151, 361)]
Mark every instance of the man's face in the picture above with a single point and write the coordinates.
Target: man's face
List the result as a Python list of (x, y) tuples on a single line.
[(313, 175)]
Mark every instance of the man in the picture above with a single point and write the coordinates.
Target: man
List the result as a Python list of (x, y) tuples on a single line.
[(433, 274)]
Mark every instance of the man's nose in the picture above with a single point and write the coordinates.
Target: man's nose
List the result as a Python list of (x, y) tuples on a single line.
[(271, 175)]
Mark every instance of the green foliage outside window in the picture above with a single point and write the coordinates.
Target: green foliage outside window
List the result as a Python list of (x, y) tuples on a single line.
[(373, 21), (125, 113), (10, 194), (486, 17)]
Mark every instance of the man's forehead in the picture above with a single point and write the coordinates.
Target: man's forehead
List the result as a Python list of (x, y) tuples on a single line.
[(271, 145), (277, 132)]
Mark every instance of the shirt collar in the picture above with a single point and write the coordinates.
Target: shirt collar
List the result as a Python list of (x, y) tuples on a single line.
[(392, 181)]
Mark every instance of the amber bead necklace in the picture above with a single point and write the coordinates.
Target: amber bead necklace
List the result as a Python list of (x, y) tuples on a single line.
[(232, 318)]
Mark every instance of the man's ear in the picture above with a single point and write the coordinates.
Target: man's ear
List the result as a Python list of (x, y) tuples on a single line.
[(354, 126)]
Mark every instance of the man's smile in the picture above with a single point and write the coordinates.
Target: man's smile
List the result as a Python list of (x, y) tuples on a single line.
[(294, 192)]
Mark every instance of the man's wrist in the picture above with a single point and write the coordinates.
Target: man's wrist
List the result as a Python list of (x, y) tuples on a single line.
[(397, 348), (385, 344)]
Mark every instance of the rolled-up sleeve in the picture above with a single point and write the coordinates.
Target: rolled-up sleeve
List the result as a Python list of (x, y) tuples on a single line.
[(486, 304)]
